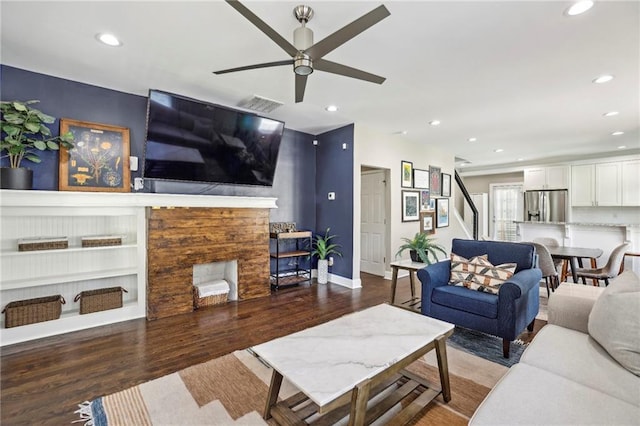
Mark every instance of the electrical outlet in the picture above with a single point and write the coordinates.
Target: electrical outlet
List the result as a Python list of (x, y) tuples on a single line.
[(330, 261), (138, 184), (331, 196)]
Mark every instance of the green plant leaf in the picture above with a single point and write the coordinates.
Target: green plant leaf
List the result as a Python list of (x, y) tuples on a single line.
[(19, 106), (40, 145), (32, 157), (14, 118), (45, 130), (32, 127), (10, 129), (52, 145)]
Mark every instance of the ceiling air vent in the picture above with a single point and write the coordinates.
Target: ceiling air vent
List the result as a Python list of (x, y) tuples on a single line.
[(260, 104)]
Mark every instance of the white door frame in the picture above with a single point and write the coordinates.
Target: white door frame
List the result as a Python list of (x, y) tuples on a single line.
[(387, 225)]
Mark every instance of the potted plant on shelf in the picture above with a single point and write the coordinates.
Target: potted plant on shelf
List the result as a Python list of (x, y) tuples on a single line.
[(24, 133), (420, 247), (322, 248)]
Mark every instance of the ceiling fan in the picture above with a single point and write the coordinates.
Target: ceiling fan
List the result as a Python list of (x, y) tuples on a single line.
[(307, 56)]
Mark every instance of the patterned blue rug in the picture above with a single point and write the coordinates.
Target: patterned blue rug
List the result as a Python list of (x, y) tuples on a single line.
[(485, 346)]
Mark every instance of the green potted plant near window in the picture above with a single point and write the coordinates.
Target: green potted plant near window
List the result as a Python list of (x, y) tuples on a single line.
[(322, 248), (421, 247), (24, 133)]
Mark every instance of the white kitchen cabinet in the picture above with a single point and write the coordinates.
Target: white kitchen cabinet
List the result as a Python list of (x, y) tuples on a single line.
[(631, 183), (596, 185), (552, 177)]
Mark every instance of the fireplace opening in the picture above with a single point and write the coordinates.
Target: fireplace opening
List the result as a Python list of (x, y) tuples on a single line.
[(212, 277)]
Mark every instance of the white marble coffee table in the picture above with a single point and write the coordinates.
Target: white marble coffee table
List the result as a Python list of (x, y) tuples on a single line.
[(352, 358)]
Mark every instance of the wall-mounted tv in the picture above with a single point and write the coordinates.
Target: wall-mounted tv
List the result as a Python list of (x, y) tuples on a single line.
[(191, 140)]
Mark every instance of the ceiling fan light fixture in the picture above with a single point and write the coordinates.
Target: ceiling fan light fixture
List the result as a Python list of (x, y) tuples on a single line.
[(302, 65)]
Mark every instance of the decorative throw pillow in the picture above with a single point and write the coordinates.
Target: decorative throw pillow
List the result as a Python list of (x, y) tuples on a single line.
[(479, 274), (614, 321), (463, 269), (489, 278)]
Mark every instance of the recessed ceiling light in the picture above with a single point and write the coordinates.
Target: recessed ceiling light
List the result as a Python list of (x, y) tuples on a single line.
[(472, 139), (331, 108), (434, 123), (618, 133), (109, 39), (610, 113), (579, 7), (604, 78), (622, 147), (520, 159), (498, 150), (404, 132)]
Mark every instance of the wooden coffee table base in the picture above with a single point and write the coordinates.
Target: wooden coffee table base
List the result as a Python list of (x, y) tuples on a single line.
[(299, 410)]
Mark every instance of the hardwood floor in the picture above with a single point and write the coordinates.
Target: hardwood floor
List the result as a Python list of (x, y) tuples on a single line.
[(43, 381)]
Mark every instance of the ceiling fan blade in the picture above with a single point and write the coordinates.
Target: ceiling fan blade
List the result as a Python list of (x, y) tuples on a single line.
[(256, 66), (332, 67), (347, 32), (301, 83), (262, 26)]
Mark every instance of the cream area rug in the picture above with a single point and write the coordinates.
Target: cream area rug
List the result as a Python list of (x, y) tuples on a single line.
[(232, 390)]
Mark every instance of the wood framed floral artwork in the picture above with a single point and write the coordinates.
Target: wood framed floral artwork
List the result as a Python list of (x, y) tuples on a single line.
[(428, 222), (434, 180), (99, 160), (442, 212)]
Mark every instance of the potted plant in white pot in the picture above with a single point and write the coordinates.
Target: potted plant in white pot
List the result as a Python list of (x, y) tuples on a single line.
[(24, 132), (322, 248), (421, 247)]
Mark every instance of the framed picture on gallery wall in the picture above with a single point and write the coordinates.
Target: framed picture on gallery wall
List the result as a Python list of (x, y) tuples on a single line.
[(427, 222), (410, 206), (420, 179), (407, 174), (434, 180), (424, 200), (445, 185), (442, 212), (99, 160)]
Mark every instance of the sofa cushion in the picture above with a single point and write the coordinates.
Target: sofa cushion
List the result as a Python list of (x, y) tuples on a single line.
[(463, 299), (614, 321), (528, 395), (577, 357)]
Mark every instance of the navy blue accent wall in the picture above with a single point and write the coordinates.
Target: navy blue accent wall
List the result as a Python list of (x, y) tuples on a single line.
[(334, 173), (69, 99), (294, 181)]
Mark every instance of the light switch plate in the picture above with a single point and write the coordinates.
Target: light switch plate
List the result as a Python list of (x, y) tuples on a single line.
[(133, 163)]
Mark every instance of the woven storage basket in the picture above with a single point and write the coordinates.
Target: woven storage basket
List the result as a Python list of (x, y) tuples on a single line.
[(101, 241), (100, 300), (216, 299), (33, 244), (22, 312)]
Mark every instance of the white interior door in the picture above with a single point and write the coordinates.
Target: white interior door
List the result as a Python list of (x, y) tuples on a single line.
[(373, 222)]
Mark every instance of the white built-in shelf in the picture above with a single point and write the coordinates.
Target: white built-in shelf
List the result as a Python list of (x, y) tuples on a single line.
[(67, 250), (66, 278)]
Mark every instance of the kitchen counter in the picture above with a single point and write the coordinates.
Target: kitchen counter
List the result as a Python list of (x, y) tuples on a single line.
[(626, 225)]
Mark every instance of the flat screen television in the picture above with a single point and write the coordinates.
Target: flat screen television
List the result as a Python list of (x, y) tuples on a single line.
[(191, 140)]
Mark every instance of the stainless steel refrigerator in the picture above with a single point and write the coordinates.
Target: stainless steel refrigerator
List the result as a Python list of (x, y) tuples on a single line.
[(546, 206)]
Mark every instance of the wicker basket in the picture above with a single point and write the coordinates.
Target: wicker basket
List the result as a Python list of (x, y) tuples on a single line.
[(22, 312), (216, 299), (100, 300), (32, 244), (101, 241)]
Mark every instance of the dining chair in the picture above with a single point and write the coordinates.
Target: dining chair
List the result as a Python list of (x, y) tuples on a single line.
[(561, 265), (547, 266), (610, 270)]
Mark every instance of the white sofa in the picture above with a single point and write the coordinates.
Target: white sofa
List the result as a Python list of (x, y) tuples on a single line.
[(565, 376)]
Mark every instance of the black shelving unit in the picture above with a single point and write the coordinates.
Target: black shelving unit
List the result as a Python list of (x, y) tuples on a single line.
[(295, 246)]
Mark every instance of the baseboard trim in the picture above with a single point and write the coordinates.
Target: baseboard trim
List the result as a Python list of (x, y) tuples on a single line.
[(341, 281)]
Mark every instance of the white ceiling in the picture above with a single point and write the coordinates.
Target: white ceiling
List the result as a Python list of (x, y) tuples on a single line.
[(516, 75)]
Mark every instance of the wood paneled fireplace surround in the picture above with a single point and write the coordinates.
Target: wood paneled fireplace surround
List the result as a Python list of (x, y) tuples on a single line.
[(179, 238)]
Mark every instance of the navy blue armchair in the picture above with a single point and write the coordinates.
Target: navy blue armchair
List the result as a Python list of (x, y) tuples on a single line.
[(506, 314)]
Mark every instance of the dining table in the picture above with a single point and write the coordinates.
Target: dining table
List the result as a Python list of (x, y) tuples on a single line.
[(575, 255)]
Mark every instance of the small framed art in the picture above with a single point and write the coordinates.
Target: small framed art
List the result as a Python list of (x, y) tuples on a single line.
[(427, 222), (434, 180), (446, 185), (99, 161), (424, 200), (410, 206), (420, 179), (442, 212), (407, 174)]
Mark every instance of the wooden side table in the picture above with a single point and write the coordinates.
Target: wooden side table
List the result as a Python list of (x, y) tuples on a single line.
[(407, 265)]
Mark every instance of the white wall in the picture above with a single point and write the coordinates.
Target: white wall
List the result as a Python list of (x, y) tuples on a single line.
[(372, 148)]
